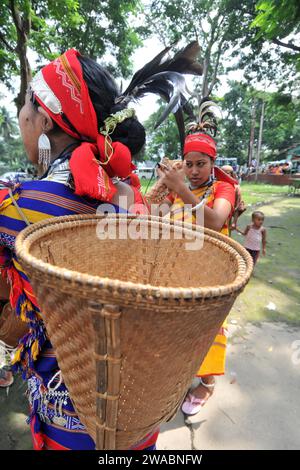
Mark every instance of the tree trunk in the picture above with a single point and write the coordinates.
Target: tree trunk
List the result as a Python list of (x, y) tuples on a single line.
[(260, 138), (204, 88), (23, 25), (252, 132), (25, 76)]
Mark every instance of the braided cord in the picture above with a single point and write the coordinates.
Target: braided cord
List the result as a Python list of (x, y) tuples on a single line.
[(110, 124)]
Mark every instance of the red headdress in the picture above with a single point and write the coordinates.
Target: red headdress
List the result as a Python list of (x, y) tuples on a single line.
[(62, 91), (200, 142), (204, 143)]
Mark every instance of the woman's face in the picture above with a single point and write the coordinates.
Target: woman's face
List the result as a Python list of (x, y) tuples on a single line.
[(197, 167), (31, 127)]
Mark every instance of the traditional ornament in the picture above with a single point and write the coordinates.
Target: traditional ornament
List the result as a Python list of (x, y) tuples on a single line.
[(44, 147)]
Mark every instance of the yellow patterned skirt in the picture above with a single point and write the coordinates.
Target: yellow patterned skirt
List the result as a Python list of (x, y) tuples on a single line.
[(214, 362)]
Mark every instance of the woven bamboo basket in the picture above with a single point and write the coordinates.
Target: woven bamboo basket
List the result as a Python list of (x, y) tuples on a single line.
[(130, 318), (12, 329)]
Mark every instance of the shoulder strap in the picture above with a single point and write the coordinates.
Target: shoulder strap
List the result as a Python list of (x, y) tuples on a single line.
[(21, 213)]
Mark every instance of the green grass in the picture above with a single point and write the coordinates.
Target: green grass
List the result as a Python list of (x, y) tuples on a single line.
[(276, 276), (253, 193), (258, 193)]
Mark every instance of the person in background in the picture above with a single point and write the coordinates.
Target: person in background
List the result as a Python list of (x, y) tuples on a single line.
[(205, 182), (255, 236), (239, 205)]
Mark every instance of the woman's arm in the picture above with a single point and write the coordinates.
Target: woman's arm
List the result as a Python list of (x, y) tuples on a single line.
[(243, 232), (124, 196), (215, 217)]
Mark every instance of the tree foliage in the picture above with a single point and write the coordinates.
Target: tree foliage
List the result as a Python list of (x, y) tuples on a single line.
[(281, 121), (163, 141), (216, 25), (11, 147), (230, 35), (278, 19), (48, 27)]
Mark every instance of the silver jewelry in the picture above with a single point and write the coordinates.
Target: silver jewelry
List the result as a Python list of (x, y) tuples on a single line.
[(44, 147), (42, 90), (206, 385)]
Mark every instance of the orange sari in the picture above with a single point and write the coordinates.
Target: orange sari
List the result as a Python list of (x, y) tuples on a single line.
[(214, 362)]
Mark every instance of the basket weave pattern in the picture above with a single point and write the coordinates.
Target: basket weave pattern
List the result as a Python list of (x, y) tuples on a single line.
[(129, 349)]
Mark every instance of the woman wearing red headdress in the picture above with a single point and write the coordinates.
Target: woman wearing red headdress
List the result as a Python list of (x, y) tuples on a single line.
[(210, 184), (76, 127)]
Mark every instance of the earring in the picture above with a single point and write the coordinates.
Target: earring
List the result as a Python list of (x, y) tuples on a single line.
[(213, 173), (44, 147)]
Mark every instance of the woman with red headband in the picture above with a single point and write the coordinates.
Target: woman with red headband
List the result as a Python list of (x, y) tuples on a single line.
[(77, 129), (209, 184)]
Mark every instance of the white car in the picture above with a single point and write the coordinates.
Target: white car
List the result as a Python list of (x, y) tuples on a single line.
[(146, 173), (15, 176)]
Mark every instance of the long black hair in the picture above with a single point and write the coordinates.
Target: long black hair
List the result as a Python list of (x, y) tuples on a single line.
[(162, 76), (103, 92)]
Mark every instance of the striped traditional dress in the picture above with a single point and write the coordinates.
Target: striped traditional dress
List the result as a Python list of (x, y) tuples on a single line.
[(54, 422)]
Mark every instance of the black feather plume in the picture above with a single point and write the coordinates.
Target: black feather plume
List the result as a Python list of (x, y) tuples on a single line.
[(207, 119), (163, 76)]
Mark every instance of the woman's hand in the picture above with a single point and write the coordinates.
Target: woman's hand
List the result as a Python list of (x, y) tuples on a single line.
[(171, 177)]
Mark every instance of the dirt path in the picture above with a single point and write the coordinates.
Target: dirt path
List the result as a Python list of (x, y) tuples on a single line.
[(262, 409)]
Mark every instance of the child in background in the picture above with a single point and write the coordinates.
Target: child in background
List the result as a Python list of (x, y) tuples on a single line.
[(255, 235)]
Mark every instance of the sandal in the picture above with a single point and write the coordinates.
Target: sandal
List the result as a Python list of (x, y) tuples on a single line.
[(192, 405)]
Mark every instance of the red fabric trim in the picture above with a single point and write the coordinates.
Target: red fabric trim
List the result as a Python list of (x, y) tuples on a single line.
[(226, 191), (148, 442), (200, 143), (222, 176), (88, 163), (3, 194)]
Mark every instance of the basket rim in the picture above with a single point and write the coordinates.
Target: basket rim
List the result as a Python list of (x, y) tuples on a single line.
[(244, 260)]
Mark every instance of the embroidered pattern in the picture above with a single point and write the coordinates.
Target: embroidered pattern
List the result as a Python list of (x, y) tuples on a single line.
[(100, 180), (68, 84), (49, 405)]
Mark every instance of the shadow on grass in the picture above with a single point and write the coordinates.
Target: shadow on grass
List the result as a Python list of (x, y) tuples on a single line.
[(276, 276)]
